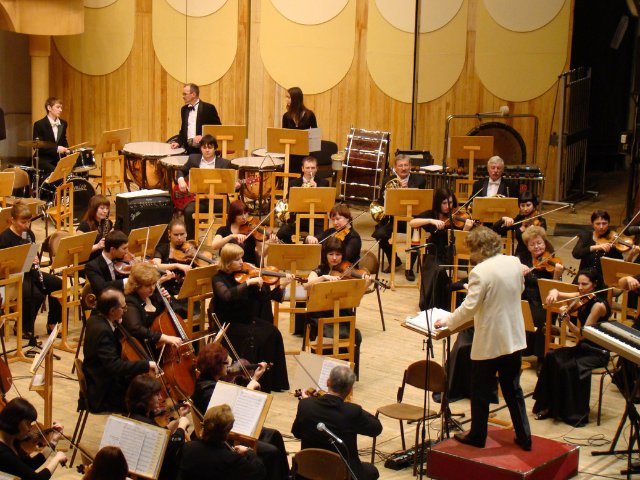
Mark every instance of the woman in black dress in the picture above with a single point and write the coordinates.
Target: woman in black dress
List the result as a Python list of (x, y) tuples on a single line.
[(247, 308), (564, 385), (297, 117), (528, 204), (342, 229), (15, 424), (96, 219)]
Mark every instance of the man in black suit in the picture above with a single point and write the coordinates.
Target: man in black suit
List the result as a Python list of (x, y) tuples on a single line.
[(207, 158), (105, 371), (52, 129), (345, 420), (310, 180), (495, 184), (194, 114), (384, 231), (100, 271)]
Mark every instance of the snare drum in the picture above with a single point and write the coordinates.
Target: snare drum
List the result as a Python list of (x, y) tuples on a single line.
[(82, 193), (141, 159), (86, 161)]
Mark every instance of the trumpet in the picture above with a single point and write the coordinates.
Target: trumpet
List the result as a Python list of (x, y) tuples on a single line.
[(375, 209), (281, 211)]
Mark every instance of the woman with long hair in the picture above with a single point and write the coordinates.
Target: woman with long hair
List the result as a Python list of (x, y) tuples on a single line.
[(108, 464), (298, 117), (96, 219), (341, 228)]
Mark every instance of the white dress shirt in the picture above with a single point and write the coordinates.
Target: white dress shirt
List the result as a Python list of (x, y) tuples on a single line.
[(205, 164), (492, 188), (191, 121), (55, 126)]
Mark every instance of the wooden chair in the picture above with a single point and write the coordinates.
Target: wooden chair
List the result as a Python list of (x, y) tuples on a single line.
[(112, 174), (369, 261), (21, 181), (202, 218), (7, 181), (416, 376), (62, 211), (341, 348), (319, 464)]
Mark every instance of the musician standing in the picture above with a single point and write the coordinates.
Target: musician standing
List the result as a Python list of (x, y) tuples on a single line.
[(493, 302), (495, 184), (384, 231), (53, 129), (194, 114)]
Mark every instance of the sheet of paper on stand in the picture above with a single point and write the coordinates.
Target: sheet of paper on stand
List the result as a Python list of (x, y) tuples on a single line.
[(420, 320)]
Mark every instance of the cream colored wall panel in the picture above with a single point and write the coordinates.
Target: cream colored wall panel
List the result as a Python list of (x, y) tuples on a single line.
[(390, 57), (518, 66), (106, 42), (195, 49), (98, 3), (313, 57), (197, 8), (523, 15), (434, 14), (309, 12)]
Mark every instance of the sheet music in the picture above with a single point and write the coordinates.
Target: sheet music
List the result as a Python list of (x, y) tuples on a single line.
[(28, 261), (246, 405), (142, 445), (315, 139), (420, 320), (45, 349), (327, 366), (432, 168)]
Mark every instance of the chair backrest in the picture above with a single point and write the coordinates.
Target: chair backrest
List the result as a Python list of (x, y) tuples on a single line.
[(416, 376), (82, 383), (21, 178), (369, 261), (319, 464)]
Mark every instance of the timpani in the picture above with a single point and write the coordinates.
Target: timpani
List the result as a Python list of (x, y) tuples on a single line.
[(171, 165), (255, 176), (142, 163), (262, 152)]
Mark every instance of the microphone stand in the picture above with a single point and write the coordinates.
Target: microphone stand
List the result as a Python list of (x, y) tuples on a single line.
[(337, 449)]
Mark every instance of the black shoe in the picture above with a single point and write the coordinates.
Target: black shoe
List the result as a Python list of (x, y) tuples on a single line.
[(462, 438), (523, 444), (28, 335), (409, 275), (543, 415), (436, 397)]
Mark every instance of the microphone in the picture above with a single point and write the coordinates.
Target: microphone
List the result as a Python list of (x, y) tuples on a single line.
[(323, 428), (503, 112)]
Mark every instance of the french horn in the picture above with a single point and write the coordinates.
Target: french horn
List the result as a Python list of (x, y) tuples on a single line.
[(375, 209)]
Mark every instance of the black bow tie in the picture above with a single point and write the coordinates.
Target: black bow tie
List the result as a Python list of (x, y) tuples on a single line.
[(192, 107)]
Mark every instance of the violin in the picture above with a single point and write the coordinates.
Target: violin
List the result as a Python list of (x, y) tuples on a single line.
[(270, 275), (309, 392), (344, 269), (575, 305), (530, 221), (252, 228), (622, 243), (37, 439), (460, 219), (342, 234), (186, 252), (125, 264), (162, 416), (237, 372), (547, 262)]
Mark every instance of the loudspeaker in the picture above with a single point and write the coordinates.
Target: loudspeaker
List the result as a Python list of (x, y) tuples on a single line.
[(139, 209)]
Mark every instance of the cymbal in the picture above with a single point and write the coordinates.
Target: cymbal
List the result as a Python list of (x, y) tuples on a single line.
[(36, 144)]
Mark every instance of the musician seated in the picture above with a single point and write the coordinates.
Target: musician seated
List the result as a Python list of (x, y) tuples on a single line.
[(144, 404), (528, 204), (629, 282), (16, 421), (308, 180), (213, 456), (246, 306), (96, 219), (144, 305), (384, 231), (213, 365), (495, 184), (207, 158), (101, 271), (36, 284), (108, 464), (345, 420), (106, 372), (564, 386), (342, 229)]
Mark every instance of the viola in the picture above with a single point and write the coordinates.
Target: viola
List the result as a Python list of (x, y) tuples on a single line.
[(237, 372), (529, 221), (124, 265), (342, 234), (37, 439), (309, 392), (185, 253), (270, 275), (162, 416), (344, 269), (622, 243), (548, 262), (252, 228)]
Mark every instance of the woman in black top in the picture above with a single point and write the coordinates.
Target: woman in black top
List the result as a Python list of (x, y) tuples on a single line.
[(528, 204), (342, 229), (15, 424), (297, 117), (590, 247), (144, 305), (564, 385), (35, 283), (96, 219), (247, 308), (143, 401), (213, 361)]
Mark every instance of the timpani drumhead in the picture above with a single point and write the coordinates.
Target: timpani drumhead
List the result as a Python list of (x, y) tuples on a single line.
[(507, 142)]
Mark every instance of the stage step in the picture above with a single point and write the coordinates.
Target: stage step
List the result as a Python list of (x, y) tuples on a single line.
[(502, 459)]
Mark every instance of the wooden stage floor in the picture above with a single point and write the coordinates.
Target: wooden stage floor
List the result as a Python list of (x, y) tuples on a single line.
[(384, 356)]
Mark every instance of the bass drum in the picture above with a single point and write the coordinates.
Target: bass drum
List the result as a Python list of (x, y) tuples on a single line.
[(82, 193), (507, 142)]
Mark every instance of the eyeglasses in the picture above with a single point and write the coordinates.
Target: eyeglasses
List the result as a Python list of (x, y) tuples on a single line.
[(124, 307)]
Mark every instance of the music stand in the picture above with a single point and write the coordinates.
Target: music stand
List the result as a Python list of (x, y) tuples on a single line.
[(310, 203), (290, 142), (197, 288), (469, 148), (612, 271), (334, 296), (13, 262), (211, 184), (545, 286), (73, 252), (293, 258), (44, 385), (5, 218), (138, 240), (63, 168), (403, 204), (110, 144), (231, 136), (6, 186)]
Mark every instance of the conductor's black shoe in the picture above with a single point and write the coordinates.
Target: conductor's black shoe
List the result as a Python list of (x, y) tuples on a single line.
[(462, 438), (409, 275), (524, 444)]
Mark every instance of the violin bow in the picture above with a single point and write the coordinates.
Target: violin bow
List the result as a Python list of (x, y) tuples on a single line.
[(231, 347), (579, 296), (540, 215), (261, 222), (354, 264), (143, 256), (295, 357), (206, 234), (618, 235), (348, 224), (465, 204)]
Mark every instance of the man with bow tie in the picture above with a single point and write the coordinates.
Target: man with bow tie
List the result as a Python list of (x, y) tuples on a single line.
[(495, 184), (194, 114), (53, 129)]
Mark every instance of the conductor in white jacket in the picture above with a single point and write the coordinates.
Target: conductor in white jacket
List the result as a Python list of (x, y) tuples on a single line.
[(493, 302)]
